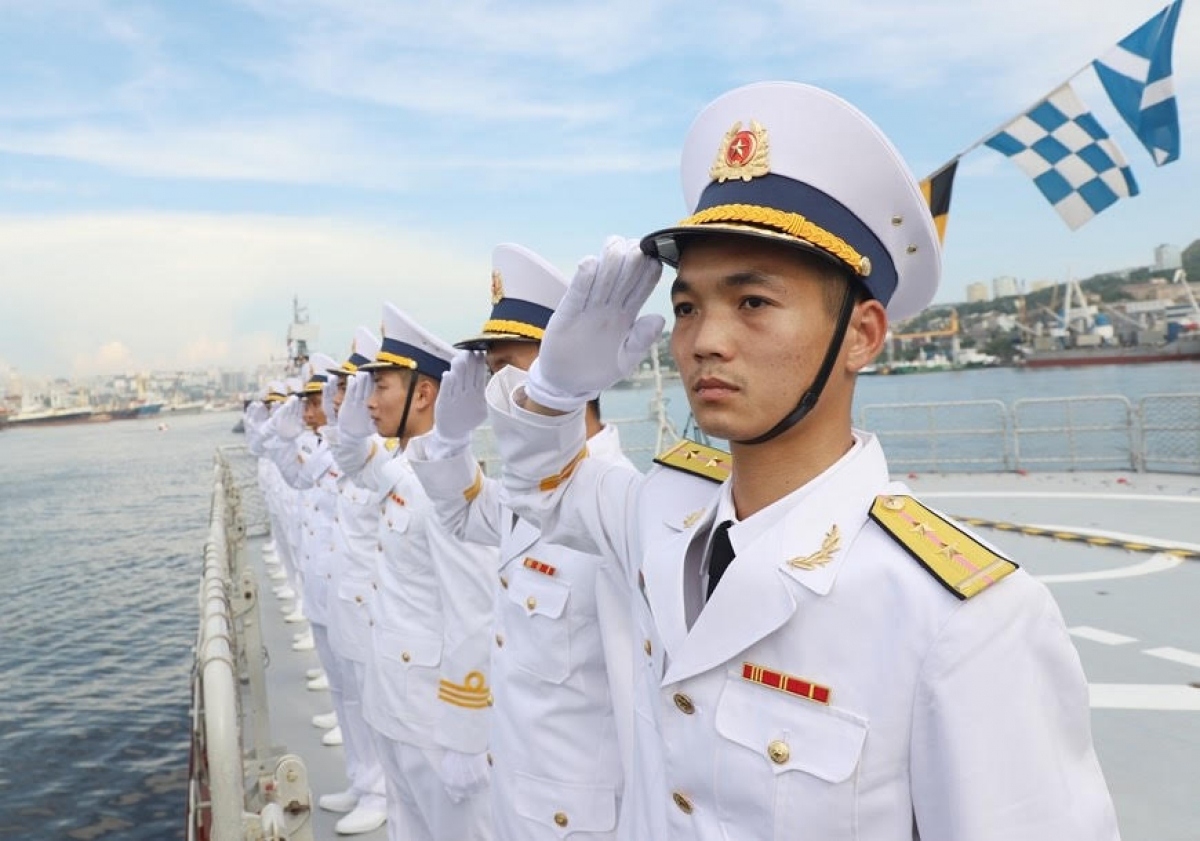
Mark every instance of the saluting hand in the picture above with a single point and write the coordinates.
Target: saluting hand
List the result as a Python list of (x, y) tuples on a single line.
[(256, 414), (461, 402), (595, 338), (354, 420), (328, 392), (289, 421)]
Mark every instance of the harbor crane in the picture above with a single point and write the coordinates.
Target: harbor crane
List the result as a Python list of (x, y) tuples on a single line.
[(950, 331)]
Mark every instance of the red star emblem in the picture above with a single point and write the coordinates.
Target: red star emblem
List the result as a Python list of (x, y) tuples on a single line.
[(741, 148)]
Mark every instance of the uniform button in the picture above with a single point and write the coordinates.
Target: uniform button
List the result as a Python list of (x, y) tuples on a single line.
[(531, 603), (560, 818), (504, 582), (647, 647), (684, 703), (682, 802), (378, 547), (489, 757), (358, 599), (389, 524), (405, 656), (499, 641), (779, 751), (490, 699)]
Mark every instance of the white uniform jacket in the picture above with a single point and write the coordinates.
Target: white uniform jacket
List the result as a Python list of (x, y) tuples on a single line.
[(831, 688), (431, 613), (561, 663), (355, 572), (306, 465)]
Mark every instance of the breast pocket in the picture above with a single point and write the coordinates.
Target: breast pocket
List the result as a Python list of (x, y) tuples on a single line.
[(396, 517), (563, 809), (792, 756), (408, 665), (537, 624)]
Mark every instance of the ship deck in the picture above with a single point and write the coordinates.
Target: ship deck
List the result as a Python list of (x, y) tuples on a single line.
[(292, 705), (1123, 564)]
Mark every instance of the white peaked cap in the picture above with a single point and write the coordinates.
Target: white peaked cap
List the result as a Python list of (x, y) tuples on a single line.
[(525, 292), (794, 163), (407, 344), (363, 348), (318, 372)]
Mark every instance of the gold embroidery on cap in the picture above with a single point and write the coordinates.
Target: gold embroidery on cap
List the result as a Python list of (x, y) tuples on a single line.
[(743, 154), (497, 287)]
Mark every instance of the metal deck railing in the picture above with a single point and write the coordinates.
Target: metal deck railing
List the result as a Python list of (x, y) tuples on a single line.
[(239, 786), (1159, 432)]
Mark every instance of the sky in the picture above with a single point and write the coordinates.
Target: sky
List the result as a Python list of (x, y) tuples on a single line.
[(173, 174)]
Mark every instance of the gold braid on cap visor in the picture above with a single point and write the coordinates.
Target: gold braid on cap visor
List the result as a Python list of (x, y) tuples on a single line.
[(792, 224), (517, 328), (395, 359)]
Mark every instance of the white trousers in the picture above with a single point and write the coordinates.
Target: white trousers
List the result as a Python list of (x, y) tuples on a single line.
[(419, 809)]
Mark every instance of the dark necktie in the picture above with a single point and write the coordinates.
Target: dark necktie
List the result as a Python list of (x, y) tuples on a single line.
[(720, 557)]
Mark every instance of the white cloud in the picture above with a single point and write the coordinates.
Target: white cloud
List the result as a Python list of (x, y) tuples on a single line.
[(109, 357), (181, 291)]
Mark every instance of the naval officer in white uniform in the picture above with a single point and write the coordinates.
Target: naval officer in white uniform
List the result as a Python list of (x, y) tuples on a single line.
[(824, 656), (561, 665), (356, 536), (427, 689)]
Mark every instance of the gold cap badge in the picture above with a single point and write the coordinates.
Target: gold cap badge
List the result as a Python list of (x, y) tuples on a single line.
[(743, 154), (497, 287)]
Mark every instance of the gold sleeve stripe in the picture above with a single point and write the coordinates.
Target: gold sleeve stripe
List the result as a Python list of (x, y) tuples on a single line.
[(476, 486), (517, 328), (473, 693), (552, 482)]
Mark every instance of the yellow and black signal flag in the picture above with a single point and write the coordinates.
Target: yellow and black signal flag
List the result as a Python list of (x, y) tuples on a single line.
[(936, 189)]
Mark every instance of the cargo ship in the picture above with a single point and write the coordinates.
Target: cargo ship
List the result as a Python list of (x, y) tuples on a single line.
[(1084, 336)]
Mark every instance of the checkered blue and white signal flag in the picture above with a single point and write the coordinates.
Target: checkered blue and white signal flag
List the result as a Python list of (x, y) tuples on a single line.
[(1138, 77), (1068, 154)]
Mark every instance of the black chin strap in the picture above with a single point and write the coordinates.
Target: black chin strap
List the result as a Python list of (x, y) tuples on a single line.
[(809, 399), (412, 389)]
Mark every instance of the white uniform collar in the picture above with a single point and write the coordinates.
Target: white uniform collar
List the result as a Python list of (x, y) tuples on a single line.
[(605, 445), (800, 540), (743, 533)]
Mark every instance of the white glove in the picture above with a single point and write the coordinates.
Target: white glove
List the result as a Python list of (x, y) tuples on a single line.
[(354, 420), (461, 403), (328, 392), (256, 414), (289, 421), (463, 774), (594, 339)]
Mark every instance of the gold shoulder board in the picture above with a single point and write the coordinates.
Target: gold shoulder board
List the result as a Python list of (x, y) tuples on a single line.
[(698, 459), (962, 564)]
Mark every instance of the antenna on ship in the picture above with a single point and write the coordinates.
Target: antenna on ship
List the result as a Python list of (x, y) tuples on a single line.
[(300, 334)]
